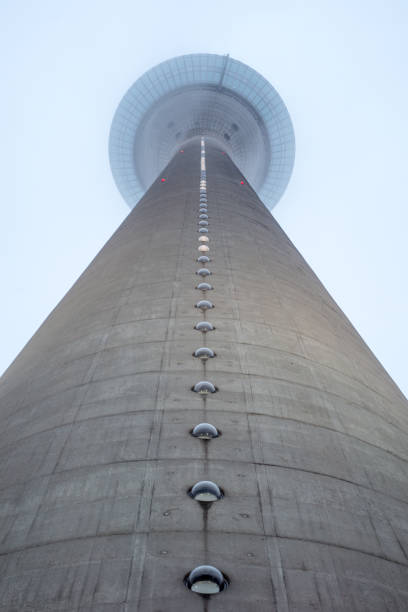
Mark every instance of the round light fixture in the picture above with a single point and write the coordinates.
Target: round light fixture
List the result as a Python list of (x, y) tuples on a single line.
[(206, 491), (204, 353), (203, 272), (204, 305), (204, 387), (204, 286), (205, 431), (204, 326), (206, 580)]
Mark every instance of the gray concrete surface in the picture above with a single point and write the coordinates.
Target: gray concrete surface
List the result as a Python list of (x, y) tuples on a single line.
[(96, 454)]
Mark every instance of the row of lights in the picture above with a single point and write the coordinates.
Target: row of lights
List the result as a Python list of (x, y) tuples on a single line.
[(205, 579)]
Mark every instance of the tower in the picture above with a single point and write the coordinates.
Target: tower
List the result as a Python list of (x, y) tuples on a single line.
[(294, 488)]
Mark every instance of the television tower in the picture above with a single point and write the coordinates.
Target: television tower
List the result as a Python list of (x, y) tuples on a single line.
[(197, 426)]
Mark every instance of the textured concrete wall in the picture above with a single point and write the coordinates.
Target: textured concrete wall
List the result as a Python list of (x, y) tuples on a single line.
[(96, 454)]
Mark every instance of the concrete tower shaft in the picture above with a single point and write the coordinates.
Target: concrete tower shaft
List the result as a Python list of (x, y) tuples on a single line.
[(97, 457)]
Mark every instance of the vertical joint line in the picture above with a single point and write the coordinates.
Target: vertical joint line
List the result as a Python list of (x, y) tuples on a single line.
[(220, 82)]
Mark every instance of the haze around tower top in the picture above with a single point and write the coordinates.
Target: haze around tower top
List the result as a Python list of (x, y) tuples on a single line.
[(340, 68)]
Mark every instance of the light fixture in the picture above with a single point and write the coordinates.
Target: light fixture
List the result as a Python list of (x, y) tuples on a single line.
[(204, 326), (204, 387), (203, 222), (203, 272), (204, 353), (203, 216), (204, 239), (205, 431), (203, 248), (204, 305), (204, 286), (206, 580), (203, 230), (206, 491), (203, 259)]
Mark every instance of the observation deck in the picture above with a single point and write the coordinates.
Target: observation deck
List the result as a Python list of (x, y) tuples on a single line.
[(202, 95)]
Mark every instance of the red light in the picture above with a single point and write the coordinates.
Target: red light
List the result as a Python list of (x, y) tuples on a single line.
[(242, 182), (163, 180), (181, 150)]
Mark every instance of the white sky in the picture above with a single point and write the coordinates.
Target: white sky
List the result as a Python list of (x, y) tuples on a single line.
[(340, 67)]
